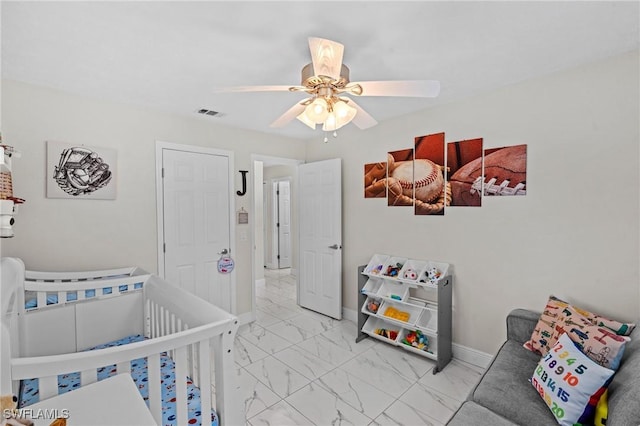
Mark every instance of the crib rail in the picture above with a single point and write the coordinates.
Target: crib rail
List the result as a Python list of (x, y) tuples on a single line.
[(192, 331), (71, 287), (83, 275), (168, 310)]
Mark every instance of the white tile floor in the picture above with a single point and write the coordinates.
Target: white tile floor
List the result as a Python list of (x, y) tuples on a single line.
[(296, 367)]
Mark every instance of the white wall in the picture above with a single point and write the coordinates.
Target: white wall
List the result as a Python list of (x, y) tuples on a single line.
[(575, 234), (55, 234)]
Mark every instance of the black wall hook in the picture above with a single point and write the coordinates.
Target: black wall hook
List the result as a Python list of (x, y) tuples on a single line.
[(244, 182)]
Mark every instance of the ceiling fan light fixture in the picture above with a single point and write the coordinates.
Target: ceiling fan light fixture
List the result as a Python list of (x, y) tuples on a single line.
[(317, 111), (344, 111), (305, 119), (331, 123)]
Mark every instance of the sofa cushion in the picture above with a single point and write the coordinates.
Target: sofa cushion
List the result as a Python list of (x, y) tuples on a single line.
[(505, 387), (471, 413), (624, 403)]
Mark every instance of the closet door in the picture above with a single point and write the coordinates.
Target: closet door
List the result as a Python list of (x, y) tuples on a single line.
[(196, 223)]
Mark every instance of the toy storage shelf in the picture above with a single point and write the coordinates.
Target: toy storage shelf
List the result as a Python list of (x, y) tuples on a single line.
[(392, 306)]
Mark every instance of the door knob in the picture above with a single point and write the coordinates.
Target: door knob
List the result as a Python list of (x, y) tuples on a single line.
[(224, 251), (335, 247)]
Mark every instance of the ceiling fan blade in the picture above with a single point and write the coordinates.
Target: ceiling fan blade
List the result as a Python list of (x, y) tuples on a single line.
[(326, 56), (362, 119), (255, 89), (409, 88), (291, 113)]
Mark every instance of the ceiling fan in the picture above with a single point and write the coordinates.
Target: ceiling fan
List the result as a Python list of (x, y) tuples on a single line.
[(326, 80)]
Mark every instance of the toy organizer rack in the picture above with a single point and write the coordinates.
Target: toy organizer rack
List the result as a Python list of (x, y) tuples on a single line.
[(404, 299)]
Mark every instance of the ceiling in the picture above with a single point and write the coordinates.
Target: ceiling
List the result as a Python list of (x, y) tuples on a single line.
[(172, 55)]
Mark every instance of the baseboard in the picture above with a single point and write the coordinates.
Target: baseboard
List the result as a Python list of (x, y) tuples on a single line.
[(294, 272), (471, 356), (350, 314), (246, 318)]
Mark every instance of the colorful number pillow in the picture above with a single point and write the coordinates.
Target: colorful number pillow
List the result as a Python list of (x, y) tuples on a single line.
[(552, 323), (570, 383)]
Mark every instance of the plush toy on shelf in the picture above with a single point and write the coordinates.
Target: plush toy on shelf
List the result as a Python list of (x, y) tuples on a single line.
[(373, 305), (434, 274), (410, 274)]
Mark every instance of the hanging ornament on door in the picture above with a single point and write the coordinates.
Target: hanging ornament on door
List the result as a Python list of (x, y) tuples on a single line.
[(226, 262)]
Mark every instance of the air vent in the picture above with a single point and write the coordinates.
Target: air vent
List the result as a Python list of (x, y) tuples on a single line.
[(210, 112)]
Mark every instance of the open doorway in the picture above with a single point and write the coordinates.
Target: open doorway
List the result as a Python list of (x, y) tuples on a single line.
[(275, 232), (277, 220)]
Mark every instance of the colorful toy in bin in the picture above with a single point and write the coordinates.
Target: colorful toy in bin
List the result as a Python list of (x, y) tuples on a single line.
[(393, 271), (376, 270), (396, 314), (389, 334), (373, 305), (410, 274), (417, 340), (434, 274)]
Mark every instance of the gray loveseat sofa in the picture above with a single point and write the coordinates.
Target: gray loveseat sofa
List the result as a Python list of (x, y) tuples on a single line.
[(504, 395)]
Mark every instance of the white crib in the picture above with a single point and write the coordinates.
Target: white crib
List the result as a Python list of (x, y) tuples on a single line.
[(66, 313)]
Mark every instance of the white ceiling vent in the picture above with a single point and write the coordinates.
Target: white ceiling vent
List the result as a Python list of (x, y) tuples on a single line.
[(209, 112)]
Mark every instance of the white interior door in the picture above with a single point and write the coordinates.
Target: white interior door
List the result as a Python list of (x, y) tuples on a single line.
[(284, 224), (196, 223), (320, 207)]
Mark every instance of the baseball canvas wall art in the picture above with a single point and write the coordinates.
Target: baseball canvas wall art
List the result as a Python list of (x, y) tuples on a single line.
[(375, 180), (464, 164), (400, 178), (505, 171), (80, 172), (432, 193)]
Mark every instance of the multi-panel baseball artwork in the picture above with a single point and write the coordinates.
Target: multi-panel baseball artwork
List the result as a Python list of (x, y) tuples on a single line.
[(435, 175)]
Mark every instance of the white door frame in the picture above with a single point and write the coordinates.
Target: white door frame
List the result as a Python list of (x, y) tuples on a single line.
[(160, 145), (257, 207)]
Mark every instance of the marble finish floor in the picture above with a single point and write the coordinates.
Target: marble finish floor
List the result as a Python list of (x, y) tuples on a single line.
[(296, 367)]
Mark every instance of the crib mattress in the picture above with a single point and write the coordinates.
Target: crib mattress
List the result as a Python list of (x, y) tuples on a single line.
[(29, 393)]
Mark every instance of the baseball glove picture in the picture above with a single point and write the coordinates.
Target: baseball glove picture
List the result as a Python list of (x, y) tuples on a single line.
[(80, 172)]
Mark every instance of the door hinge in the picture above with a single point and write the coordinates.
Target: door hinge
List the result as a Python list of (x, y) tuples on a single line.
[(163, 173), (164, 247), (278, 257), (278, 225)]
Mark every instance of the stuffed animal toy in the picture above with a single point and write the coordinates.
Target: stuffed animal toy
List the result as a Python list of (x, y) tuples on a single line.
[(10, 415), (434, 275), (410, 274)]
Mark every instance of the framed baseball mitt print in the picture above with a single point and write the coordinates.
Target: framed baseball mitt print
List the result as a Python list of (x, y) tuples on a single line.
[(80, 171)]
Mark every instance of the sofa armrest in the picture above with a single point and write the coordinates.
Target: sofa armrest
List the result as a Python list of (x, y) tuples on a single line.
[(520, 324)]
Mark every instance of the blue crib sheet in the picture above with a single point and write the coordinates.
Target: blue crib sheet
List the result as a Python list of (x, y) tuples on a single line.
[(31, 300), (29, 393)]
